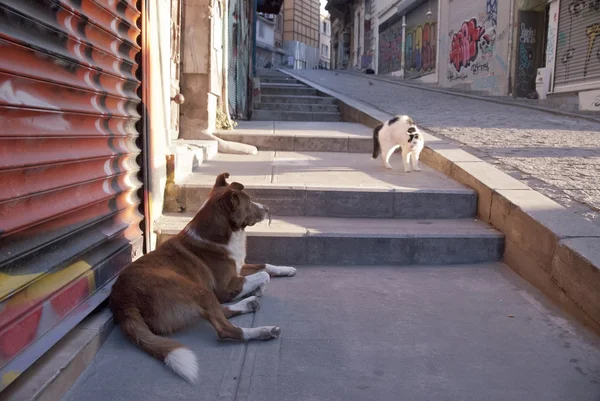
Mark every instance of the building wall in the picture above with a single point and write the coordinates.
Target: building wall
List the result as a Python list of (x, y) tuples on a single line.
[(475, 36), (301, 32), (325, 40), (265, 30)]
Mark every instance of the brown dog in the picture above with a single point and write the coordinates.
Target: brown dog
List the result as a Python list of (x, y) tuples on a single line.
[(190, 275)]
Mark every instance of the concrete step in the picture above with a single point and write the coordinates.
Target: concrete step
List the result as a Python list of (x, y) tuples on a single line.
[(332, 184), (342, 241), (400, 203), (304, 136), (269, 115), (274, 80), (285, 90), (288, 84), (303, 107), (266, 98), (476, 332)]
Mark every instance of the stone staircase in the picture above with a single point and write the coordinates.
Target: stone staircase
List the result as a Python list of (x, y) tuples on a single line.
[(332, 205), (398, 290), (286, 99)]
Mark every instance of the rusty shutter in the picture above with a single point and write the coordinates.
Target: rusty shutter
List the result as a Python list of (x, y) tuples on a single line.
[(578, 46), (69, 204)]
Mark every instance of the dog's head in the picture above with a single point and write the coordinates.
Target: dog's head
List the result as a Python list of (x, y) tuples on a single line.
[(234, 202)]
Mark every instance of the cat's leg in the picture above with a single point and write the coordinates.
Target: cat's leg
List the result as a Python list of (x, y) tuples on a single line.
[(406, 159), (415, 159), (387, 152)]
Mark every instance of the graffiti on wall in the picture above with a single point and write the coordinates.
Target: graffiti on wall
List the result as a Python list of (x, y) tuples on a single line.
[(390, 48), (591, 32), (526, 69), (420, 51), (472, 47), (468, 44)]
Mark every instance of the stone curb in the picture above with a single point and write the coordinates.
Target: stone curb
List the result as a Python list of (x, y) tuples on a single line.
[(553, 248), (477, 97)]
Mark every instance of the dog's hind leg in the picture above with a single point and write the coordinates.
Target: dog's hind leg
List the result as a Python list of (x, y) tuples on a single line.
[(274, 271), (247, 305), (214, 313)]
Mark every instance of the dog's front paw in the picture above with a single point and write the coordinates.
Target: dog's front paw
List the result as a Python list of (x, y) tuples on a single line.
[(280, 271)]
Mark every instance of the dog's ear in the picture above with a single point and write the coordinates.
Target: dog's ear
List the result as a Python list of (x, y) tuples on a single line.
[(234, 198), (236, 186), (221, 180), (412, 130)]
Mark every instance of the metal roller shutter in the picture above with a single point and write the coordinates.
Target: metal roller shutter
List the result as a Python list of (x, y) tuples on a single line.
[(578, 46), (69, 205)]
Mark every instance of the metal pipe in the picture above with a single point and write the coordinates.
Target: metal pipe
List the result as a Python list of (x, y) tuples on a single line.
[(510, 44), (254, 17)]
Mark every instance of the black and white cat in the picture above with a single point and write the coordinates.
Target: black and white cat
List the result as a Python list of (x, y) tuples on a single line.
[(399, 131)]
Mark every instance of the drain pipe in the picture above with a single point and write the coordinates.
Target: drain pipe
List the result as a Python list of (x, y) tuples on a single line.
[(254, 17), (510, 46)]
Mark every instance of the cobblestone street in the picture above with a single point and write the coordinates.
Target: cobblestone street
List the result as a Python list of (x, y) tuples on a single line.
[(556, 155)]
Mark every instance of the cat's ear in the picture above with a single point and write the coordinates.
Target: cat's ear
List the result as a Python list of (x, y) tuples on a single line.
[(412, 130)]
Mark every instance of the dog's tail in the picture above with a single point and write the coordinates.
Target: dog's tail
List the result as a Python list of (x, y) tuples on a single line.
[(177, 357), (376, 145)]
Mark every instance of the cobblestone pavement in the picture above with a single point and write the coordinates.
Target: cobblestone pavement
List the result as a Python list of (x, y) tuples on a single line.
[(556, 155)]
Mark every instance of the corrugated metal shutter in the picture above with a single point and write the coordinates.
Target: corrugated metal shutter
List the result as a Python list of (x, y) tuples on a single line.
[(69, 218), (421, 40), (578, 46)]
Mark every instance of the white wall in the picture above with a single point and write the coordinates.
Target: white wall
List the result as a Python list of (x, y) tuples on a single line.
[(265, 32), (158, 55), (474, 54)]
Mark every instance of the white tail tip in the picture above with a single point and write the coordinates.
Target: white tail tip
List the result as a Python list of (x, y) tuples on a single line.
[(183, 362)]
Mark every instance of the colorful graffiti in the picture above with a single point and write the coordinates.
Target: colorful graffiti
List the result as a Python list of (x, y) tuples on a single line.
[(390, 48), (465, 44), (472, 48), (591, 32), (420, 51)]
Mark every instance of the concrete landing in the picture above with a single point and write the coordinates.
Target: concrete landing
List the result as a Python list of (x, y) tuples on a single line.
[(325, 170), (467, 333)]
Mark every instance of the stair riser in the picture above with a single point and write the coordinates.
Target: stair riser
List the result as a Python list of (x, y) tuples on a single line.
[(295, 99), (289, 91), (306, 108), (344, 251), (302, 143), (390, 205), (269, 115), (269, 80)]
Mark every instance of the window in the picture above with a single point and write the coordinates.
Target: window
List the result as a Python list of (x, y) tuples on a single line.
[(325, 27), (324, 50), (278, 23)]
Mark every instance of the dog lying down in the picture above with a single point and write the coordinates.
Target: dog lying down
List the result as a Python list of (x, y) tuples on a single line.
[(189, 276)]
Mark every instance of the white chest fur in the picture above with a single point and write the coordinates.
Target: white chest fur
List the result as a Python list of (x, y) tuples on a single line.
[(237, 249)]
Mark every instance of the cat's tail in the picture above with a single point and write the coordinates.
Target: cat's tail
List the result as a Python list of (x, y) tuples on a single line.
[(376, 145)]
